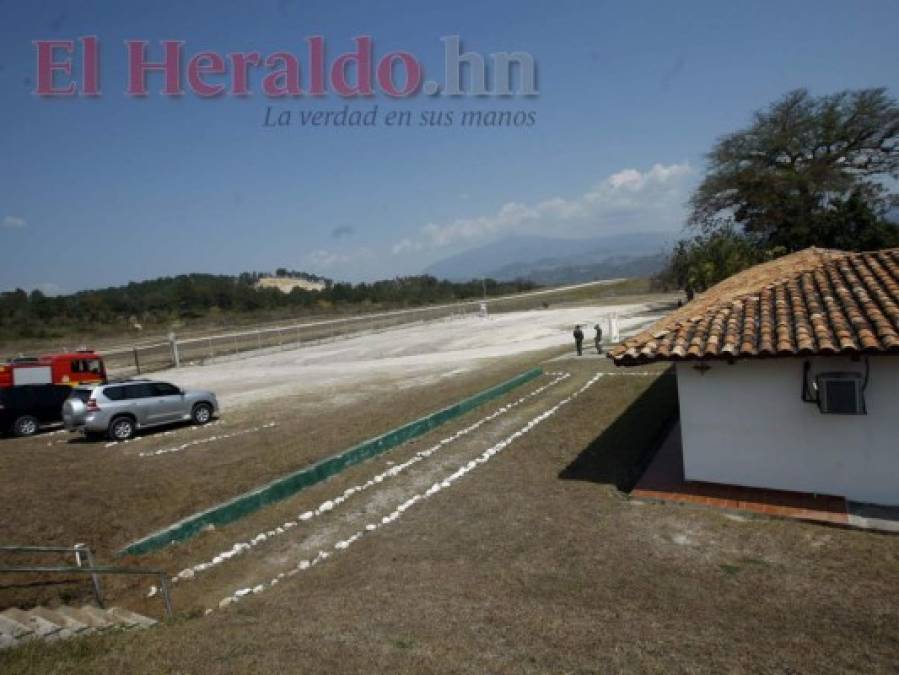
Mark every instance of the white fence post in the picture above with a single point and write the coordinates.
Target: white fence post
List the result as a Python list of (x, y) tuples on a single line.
[(173, 344), (614, 335)]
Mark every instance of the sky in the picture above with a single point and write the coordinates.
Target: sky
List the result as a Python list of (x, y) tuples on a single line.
[(99, 191)]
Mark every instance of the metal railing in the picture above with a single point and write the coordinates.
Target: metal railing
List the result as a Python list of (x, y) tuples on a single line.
[(179, 351), (83, 554)]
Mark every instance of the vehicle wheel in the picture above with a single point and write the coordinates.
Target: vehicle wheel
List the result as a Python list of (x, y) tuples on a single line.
[(201, 413), (26, 425), (121, 429)]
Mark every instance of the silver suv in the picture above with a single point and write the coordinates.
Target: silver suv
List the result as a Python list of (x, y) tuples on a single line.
[(119, 410)]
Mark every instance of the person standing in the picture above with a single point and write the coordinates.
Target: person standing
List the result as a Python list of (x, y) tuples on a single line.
[(597, 339), (579, 340)]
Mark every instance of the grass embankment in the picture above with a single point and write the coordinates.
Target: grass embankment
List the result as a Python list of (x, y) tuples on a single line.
[(537, 563), (57, 489)]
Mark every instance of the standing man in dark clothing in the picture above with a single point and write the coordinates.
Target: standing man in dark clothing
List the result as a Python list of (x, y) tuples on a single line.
[(597, 339), (579, 340)]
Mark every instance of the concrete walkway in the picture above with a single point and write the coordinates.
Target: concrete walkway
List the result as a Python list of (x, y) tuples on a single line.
[(664, 480)]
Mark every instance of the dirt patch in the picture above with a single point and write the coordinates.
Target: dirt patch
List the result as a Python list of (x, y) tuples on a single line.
[(361, 365)]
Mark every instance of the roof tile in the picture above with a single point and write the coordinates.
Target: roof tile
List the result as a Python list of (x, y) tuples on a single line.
[(815, 301)]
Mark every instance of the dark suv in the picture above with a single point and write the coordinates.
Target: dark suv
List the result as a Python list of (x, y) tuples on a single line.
[(24, 409)]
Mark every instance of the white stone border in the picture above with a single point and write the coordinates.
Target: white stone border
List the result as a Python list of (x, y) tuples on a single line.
[(204, 441), (162, 434), (409, 503), (328, 505)]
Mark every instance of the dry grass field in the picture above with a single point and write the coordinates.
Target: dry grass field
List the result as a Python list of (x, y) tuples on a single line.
[(535, 561), (108, 494)]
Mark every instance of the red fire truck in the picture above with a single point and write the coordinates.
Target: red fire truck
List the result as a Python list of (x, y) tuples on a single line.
[(81, 367)]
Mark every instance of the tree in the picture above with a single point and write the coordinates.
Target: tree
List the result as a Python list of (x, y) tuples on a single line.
[(853, 225), (720, 251), (159, 301), (786, 177)]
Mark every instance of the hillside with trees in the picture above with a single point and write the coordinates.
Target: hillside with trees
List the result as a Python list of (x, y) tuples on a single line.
[(164, 301)]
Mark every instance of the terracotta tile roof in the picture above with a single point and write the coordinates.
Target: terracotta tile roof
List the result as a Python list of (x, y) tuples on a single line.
[(816, 301)]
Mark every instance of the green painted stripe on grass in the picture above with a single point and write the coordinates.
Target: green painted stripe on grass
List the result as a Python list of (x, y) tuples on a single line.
[(289, 485)]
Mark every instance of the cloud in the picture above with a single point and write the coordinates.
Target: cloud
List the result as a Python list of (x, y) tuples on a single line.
[(407, 245), (343, 231), (13, 223), (648, 200), (322, 259)]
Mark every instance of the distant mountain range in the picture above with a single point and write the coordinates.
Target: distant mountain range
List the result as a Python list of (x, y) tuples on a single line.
[(552, 260), (616, 267)]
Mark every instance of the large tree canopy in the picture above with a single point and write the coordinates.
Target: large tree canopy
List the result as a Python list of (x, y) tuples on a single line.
[(786, 177), (808, 171)]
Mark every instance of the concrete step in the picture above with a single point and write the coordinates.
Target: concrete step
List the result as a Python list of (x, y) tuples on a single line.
[(39, 626), (69, 623), (94, 623), (135, 619), (42, 623), (13, 629), (102, 616)]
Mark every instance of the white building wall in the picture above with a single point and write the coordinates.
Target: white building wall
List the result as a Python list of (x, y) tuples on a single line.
[(745, 424)]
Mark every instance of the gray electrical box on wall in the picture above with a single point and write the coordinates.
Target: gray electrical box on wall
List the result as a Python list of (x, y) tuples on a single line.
[(841, 394)]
